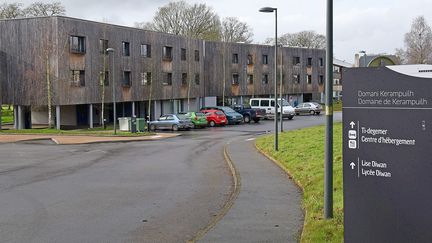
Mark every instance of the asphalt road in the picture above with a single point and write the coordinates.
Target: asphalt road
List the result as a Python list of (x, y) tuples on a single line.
[(164, 191)]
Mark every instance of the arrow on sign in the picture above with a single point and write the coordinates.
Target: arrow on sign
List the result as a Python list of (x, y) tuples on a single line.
[(352, 124), (352, 165)]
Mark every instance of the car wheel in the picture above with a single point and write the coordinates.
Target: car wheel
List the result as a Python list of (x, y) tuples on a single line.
[(152, 127), (317, 113), (246, 119), (312, 112), (212, 123), (174, 127), (297, 114), (290, 117), (256, 120)]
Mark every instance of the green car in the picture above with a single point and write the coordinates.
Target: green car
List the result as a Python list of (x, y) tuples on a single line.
[(198, 119)]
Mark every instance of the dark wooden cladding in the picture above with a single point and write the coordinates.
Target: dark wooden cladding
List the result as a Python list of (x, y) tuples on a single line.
[(29, 46)]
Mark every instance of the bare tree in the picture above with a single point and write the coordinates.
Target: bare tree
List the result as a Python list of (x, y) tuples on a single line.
[(305, 39), (11, 10), (181, 18), (418, 43), (233, 30), (44, 9)]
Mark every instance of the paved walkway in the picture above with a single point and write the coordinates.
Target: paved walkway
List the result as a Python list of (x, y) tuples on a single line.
[(268, 208), (79, 139)]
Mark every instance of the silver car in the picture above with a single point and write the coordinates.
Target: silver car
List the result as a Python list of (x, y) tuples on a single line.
[(171, 122), (312, 108)]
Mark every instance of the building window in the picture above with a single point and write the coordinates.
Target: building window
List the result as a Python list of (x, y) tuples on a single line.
[(197, 56), (126, 81), (184, 79), (126, 48), (197, 79), (308, 79), (168, 79), (78, 77), (321, 79), (336, 69), (264, 79), (104, 78), (249, 59), (296, 60), (77, 44), (235, 79), (103, 46), (145, 50), (336, 81), (309, 61), (250, 79), (321, 62), (167, 53), (183, 54), (146, 78), (235, 58), (264, 59), (296, 78)]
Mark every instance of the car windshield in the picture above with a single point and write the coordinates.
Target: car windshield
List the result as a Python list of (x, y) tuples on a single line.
[(182, 116), (219, 113), (199, 114), (247, 107), (284, 103), (227, 109)]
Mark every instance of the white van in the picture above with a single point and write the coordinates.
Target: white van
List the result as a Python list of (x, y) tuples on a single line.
[(268, 105)]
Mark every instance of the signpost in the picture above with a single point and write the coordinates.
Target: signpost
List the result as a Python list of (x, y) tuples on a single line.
[(387, 154)]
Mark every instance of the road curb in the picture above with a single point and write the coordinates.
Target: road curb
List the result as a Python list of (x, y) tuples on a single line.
[(289, 174), (230, 202)]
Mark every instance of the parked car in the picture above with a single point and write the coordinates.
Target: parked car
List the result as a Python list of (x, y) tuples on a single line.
[(312, 108), (172, 122), (215, 117), (268, 104), (232, 116), (198, 119), (249, 113)]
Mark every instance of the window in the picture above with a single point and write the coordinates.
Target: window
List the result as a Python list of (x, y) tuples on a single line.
[(264, 79), (296, 78), (336, 81), (184, 79), (103, 46), (78, 77), (126, 48), (145, 50), (309, 61), (272, 103), (126, 81), (183, 54), (146, 78), (235, 79), (77, 44), (249, 59), (104, 78), (250, 79), (321, 62), (296, 60), (336, 69), (255, 103), (308, 79), (197, 79), (235, 58), (264, 59), (167, 53), (168, 79), (196, 55), (265, 103), (321, 79)]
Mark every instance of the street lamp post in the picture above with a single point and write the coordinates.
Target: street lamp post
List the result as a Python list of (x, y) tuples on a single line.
[(111, 50), (281, 88), (271, 10)]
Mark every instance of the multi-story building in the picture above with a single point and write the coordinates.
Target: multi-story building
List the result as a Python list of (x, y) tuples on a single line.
[(64, 60), (338, 66)]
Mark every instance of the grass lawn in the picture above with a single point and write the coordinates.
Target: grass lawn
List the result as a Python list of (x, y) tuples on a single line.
[(6, 115), (98, 131), (302, 153), (337, 106)]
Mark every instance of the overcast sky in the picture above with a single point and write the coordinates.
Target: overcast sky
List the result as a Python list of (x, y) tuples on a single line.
[(375, 26)]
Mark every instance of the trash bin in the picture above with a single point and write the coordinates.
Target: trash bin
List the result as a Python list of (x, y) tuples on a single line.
[(133, 125), (124, 124), (141, 124)]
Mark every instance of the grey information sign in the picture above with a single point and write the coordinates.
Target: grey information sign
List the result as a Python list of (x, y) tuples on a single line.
[(387, 154)]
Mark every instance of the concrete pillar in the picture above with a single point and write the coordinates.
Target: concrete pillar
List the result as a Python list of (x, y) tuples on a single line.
[(20, 117), (15, 109), (133, 109), (58, 118), (241, 100), (91, 115), (176, 107)]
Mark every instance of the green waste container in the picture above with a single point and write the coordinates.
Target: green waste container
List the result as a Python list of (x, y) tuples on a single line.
[(141, 124)]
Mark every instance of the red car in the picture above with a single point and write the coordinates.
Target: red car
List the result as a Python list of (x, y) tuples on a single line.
[(215, 117)]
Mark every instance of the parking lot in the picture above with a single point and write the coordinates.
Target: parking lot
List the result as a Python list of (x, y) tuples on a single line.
[(147, 191)]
